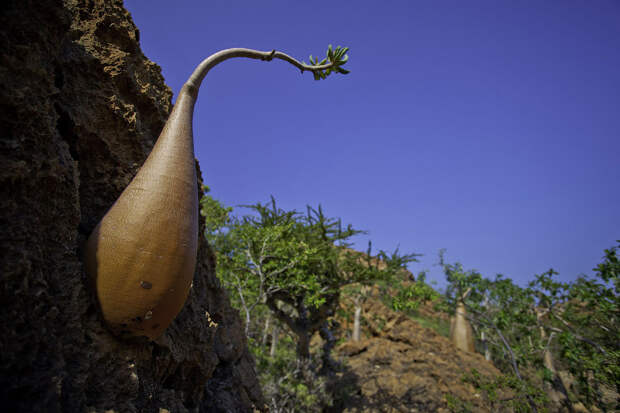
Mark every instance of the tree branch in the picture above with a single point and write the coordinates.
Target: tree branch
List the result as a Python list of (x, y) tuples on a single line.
[(508, 348), (203, 68), (577, 336), (245, 306), (282, 316)]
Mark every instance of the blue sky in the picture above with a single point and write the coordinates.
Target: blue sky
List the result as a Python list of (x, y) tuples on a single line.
[(491, 129)]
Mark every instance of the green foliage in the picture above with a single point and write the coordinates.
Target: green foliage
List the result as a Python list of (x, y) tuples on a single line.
[(293, 265), (337, 57), (296, 254), (410, 296), (462, 284), (574, 323), (287, 384), (585, 316), (501, 393), (456, 405), (440, 326), (507, 391), (216, 215)]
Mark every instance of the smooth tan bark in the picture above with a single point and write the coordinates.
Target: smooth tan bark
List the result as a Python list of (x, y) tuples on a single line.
[(461, 332), (141, 256)]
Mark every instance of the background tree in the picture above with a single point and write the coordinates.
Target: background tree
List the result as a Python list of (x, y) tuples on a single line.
[(564, 334), (581, 319), (461, 285), (295, 264), (289, 268), (503, 312)]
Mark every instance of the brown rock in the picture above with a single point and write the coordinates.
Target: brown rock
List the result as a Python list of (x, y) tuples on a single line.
[(81, 107)]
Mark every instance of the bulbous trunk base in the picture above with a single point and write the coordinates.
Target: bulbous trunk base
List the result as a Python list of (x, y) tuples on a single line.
[(141, 257)]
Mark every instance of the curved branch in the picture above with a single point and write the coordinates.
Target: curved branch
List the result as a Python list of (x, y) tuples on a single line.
[(203, 68), (577, 336), (581, 338)]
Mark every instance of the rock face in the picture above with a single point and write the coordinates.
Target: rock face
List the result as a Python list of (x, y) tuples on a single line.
[(81, 107)]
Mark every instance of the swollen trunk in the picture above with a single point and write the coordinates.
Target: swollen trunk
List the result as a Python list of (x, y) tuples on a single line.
[(460, 331), (141, 256)]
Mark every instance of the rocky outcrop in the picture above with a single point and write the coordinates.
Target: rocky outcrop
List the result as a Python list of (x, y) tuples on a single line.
[(81, 107), (401, 366)]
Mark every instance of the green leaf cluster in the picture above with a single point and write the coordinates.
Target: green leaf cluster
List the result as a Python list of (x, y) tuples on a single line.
[(287, 384), (410, 296), (336, 57), (215, 215)]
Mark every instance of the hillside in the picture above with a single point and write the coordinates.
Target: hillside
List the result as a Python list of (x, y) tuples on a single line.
[(399, 365), (407, 363)]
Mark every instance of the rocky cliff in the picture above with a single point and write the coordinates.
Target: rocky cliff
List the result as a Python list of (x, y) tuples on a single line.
[(81, 107)]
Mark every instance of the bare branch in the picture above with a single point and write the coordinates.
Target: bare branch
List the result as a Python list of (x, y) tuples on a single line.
[(203, 68), (577, 336), (581, 338), (508, 348), (283, 269)]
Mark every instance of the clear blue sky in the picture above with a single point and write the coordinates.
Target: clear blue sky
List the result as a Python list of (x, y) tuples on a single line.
[(489, 128)]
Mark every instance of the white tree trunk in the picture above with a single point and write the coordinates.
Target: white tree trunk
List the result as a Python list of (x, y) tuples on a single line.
[(357, 323), (485, 345), (247, 322), (266, 330), (274, 340), (483, 337)]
